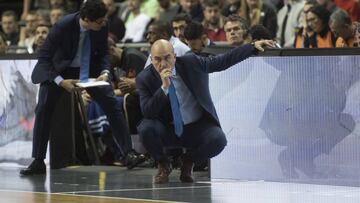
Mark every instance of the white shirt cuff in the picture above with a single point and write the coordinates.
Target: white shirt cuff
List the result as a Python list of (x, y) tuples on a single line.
[(58, 80), (165, 90)]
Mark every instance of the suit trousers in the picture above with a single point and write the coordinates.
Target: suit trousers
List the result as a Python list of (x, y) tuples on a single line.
[(49, 95), (203, 139)]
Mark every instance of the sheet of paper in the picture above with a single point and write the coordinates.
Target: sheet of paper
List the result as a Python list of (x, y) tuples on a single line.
[(92, 83)]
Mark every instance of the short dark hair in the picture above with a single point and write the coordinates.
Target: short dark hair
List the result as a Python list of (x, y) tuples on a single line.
[(181, 16), (210, 3), (259, 32), (236, 18), (9, 13), (92, 10), (194, 30), (162, 27)]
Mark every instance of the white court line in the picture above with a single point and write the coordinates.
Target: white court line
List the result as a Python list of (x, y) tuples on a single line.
[(135, 189), (92, 196)]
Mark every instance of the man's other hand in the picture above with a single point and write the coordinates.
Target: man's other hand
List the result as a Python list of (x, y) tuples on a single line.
[(69, 84), (261, 44)]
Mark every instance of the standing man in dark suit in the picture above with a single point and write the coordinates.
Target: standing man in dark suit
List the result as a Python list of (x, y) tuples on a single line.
[(76, 46), (177, 107)]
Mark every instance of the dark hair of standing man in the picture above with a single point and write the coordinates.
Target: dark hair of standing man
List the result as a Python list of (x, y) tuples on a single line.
[(194, 30), (92, 10)]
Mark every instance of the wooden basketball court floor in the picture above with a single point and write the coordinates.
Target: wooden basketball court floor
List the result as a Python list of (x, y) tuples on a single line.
[(105, 184)]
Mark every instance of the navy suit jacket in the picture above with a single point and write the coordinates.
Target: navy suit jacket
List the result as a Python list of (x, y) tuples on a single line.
[(194, 71), (60, 47)]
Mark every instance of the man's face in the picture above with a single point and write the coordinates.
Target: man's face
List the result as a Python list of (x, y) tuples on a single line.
[(97, 24), (197, 45), (212, 15), (133, 4), (234, 33), (109, 4), (8, 24), (56, 15), (187, 5), (179, 27), (40, 35), (162, 58), (31, 22), (153, 34)]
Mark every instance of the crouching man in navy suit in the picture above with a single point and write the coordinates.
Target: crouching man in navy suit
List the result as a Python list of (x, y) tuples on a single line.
[(177, 107), (76, 48)]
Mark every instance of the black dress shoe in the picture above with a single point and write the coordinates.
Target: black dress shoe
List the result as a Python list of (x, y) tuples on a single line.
[(36, 167), (132, 160)]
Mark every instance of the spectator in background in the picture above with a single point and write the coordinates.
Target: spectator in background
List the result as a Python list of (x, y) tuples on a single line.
[(41, 32), (318, 20), (56, 14), (135, 23), (212, 21), (193, 8), (236, 29), (9, 24), (288, 19), (178, 25), (168, 10), (304, 31), (162, 30), (352, 7), (196, 38), (347, 32), (257, 12), (116, 25), (27, 33)]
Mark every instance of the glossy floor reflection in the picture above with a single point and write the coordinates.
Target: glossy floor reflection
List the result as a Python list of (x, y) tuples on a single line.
[(116, 184)]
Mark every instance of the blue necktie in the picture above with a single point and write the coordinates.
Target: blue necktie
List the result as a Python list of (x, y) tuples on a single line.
[(174, 102), (85, 58)]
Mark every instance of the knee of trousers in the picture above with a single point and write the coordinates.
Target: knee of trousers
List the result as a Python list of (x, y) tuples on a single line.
[(149, 129)]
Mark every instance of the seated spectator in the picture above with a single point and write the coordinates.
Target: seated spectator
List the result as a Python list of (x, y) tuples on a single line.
[(161, 30), (27, 33), (304, 31), (288, 20), (116, 25), (213, 20), (41, 32), (168, 10), (9, 24), (135, 23), (178, 25), (193, 8), (257, 12), (236, 29), (196, 38), (317, 19), (348, 33), (56, 14)]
